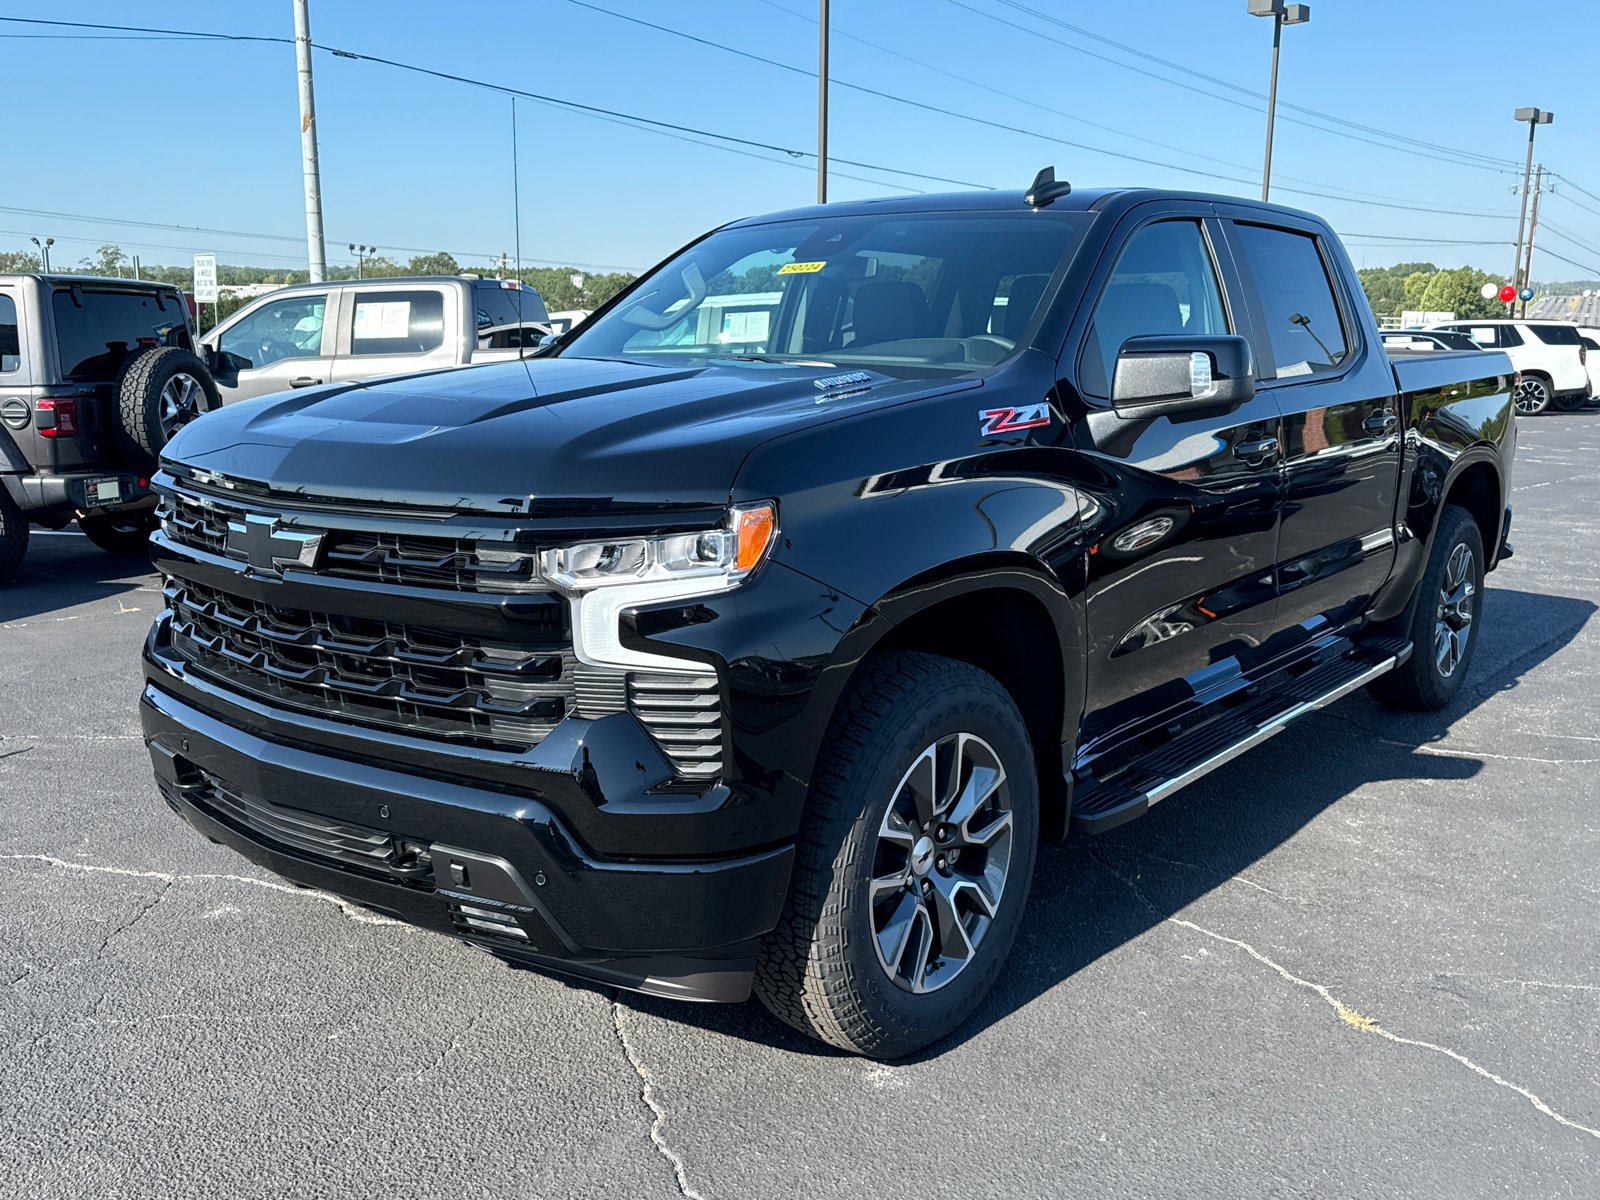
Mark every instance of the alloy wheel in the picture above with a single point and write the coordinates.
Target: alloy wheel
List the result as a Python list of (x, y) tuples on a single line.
[(180, 403), (941, 864), (1453, 621), (1532, 397)]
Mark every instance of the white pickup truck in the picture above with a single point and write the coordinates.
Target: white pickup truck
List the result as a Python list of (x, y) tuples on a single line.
[(1550, 358), (345, 330)]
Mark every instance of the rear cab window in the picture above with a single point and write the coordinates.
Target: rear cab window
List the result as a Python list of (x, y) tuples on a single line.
[(408, 322), (1304, 326), (499, 302), (10, 343), (97, 328)]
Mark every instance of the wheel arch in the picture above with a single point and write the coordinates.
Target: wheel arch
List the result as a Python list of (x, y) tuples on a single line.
[(1005, 617)]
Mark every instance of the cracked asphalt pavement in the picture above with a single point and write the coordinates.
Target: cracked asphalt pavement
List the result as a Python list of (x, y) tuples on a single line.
[(1358, 961)]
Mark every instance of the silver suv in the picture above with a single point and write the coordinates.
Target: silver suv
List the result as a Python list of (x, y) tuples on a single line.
[(314, 333)]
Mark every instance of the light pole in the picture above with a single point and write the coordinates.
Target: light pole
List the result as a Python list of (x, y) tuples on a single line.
[(1533, 229), (1282, 14), (1534, 117), (361, 252), (44, 252), (822, 103)]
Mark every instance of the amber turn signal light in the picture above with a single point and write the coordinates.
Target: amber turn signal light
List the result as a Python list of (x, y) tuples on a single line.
[(753, 528)]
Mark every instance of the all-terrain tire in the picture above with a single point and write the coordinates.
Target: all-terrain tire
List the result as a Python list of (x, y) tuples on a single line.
[(1437, 634), (822, 970), (13, 536), (126, 534), (157, 392)]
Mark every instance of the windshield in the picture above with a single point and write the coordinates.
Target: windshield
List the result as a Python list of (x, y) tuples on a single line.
[(96, 330), (928, 290)]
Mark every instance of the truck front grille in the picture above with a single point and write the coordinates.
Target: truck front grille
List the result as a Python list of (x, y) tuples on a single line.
[(455, 564), (311, 833), (373, 672)]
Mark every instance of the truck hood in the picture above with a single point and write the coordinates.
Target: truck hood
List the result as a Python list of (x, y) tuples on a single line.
[(528, 437)]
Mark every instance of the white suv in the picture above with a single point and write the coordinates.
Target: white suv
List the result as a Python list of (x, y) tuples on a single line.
[(1550, 358)]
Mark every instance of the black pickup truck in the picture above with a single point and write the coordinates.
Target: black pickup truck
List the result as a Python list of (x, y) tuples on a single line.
[(755, 632)]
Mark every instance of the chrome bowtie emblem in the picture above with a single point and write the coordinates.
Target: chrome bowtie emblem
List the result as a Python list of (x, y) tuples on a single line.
[(260, 542)]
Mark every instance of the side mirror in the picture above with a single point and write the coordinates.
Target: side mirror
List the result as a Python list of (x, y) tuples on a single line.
[(209, 356), (1169, 374)]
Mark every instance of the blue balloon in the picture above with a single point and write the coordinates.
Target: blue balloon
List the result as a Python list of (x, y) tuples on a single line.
[(1526, 293)]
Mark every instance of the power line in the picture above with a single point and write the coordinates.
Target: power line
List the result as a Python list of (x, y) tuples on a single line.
[(1382, 203), (1250, 107), (1081, 32)]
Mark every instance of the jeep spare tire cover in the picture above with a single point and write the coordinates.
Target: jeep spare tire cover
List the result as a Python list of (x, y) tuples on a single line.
[(159, 391)]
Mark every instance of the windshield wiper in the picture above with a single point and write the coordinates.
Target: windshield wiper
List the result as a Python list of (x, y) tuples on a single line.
[(787, 360)]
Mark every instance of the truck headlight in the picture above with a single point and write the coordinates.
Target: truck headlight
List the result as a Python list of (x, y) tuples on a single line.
[(719, 554), (603, 579)]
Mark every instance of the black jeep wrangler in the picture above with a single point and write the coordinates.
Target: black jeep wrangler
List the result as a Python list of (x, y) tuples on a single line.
[(757, 632), (95, 376)]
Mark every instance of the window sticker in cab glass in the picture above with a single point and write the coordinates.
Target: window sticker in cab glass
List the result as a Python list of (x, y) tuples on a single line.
[(383, 319), (810, 268), (993, 421)]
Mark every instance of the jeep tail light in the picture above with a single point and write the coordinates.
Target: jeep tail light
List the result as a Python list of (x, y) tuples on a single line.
[(57, 418)]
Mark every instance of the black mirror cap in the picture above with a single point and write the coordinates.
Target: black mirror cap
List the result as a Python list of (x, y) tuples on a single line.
[(1155, 374)]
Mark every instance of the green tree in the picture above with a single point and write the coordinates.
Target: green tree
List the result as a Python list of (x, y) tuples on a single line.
[(433, 264), (18, 260), (1385, 286), (108, 260)]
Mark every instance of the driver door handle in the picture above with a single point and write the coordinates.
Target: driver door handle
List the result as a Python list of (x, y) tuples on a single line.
[(304, 381), (1265, 448)]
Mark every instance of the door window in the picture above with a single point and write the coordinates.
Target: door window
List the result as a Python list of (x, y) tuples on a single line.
[(410, 322), (1163, 283), (1492, 335), (1303, 325), (10, 348), (287, 328)]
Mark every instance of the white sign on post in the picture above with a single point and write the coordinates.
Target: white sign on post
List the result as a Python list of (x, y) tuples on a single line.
[(205, 278)]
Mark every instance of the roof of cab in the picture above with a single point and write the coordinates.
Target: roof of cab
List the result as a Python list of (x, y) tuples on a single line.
[(1079, 200)]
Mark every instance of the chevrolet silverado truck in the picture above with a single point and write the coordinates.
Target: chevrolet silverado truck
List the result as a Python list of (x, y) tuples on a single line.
[(95, 376), (754, 634)]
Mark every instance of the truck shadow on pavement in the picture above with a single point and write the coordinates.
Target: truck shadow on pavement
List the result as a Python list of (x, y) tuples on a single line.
[(1090, 896), (63, 570)]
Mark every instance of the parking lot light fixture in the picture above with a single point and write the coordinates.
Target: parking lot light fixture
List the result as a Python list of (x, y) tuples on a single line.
[(1535, 117), (44, 252), (1282, 14)]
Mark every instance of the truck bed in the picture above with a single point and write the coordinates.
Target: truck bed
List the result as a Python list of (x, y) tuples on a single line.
[(1425, 370)]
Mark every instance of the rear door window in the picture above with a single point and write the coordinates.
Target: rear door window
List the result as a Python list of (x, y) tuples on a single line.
[(1303, 323), (287, 328), (1493, 336), (96, 329), (10, 345), (409, 322)]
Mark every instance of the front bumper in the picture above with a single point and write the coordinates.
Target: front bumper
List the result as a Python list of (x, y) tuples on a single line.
[(503, 871)]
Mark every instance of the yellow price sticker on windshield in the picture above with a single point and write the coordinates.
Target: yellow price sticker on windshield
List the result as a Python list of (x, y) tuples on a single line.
[(800, 268)]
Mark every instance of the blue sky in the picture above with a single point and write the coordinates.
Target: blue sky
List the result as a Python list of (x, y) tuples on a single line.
[(206, 133)]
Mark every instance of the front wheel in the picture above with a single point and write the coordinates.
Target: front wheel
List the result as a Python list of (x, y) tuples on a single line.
[(126, 533), (914, 859), (1444, 626), (1532, 396)]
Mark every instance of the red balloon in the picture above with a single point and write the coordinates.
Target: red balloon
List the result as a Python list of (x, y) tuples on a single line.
[(1508, 293)]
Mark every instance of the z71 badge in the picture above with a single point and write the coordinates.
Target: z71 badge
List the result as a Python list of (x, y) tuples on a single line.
[(995, 421)]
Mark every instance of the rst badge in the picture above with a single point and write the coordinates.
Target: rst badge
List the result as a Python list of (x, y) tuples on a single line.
[(995, 421)]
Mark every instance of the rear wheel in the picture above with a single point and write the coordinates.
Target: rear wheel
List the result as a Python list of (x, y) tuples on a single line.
[(13, 535), (125, 533), (158, 392), (1444, 626), (914, 862), (1569, 403), (1533, 396)]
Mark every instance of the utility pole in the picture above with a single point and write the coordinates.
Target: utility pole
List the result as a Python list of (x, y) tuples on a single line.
[(822, 104), (1533, 225), (1534, 117), (308, 143), (1282, 14)]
